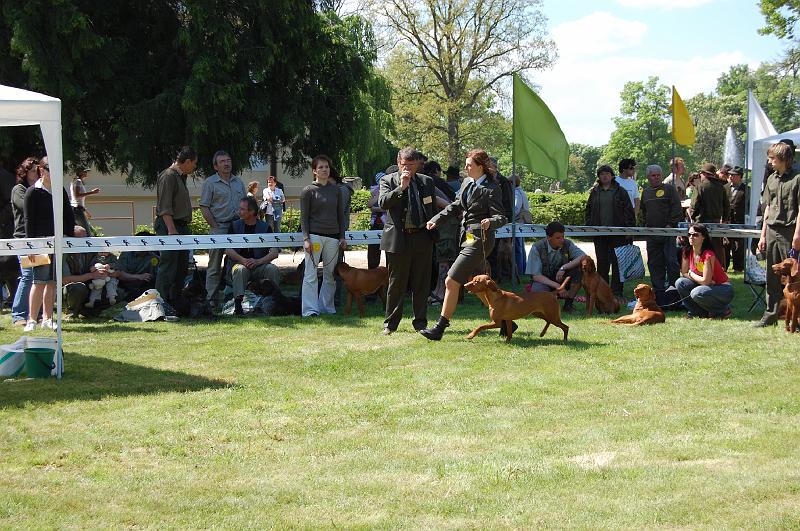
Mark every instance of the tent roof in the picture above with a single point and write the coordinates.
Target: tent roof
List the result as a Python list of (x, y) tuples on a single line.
[(794, 134), (23, 107)]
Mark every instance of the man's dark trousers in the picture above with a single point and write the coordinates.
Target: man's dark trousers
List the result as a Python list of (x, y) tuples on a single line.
[(662, 261), (409, 269), (779, 242), (607, 259), (173, 265)]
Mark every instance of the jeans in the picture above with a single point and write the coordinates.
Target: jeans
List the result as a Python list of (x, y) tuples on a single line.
[(662, 261), (704, 301), (316, 302), (19, 309)]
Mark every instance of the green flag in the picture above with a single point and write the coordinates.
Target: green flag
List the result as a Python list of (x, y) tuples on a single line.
[(539, 143)]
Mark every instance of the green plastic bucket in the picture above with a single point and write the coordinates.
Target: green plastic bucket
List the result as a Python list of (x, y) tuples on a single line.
[(39, 362)]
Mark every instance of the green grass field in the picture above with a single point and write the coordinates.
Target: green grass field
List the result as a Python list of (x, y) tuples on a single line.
[(285, 422)]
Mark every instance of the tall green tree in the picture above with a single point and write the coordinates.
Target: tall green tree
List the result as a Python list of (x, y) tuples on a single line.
[(463, 48), (781, 16), (642, 129), (139, 78)]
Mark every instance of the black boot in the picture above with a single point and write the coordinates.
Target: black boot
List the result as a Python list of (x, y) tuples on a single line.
[(503, 326), (436, 333)]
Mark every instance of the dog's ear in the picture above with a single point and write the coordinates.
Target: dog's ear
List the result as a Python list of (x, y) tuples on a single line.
[(492, 285)]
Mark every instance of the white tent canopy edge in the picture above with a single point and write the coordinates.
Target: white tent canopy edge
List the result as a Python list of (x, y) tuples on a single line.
[(22, 107), (760, 148)]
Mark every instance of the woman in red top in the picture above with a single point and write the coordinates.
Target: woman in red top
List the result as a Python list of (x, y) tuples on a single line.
[(704, 285)]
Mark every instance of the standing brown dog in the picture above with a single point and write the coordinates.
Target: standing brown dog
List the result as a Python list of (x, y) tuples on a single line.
[(646, 310), (508, 306), (598, 292), (360, 282), (789, 270)]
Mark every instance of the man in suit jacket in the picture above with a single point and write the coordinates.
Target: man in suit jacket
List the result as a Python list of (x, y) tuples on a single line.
[(408, 198)]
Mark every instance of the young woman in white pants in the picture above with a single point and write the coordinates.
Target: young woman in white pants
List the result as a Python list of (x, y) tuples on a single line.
[(322, 223)]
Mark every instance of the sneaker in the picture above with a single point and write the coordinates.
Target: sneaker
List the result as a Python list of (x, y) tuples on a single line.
[(20, 322), (30, 326), (387, 332), (763, 323), (48, 324)]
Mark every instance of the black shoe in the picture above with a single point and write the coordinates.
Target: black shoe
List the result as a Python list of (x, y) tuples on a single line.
[(568, 307), (436, 333), (503, 328), (419, 327)]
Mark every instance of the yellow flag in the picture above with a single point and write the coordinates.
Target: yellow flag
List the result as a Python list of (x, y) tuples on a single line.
[(682, 126)]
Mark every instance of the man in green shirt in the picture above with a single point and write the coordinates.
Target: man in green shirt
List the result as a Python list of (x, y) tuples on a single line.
[(174, 212), (780, 232)]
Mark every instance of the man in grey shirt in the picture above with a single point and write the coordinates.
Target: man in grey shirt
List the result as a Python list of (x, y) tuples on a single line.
[(219, 203)]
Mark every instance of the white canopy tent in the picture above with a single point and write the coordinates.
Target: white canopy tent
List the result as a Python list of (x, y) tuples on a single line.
[(22, 107), (760, 148)]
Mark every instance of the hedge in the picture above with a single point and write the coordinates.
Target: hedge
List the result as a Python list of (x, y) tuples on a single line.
[(568, 209)]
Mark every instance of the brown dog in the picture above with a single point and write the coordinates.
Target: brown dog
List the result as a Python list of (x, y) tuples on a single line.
[(598, 292), (789, 270), (507, 306), (646, 310), (360, 282)]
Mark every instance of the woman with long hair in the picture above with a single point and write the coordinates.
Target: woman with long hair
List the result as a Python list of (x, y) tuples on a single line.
[(322, 224), (27, 175), (39, 223), (480, 201), (703, 285)]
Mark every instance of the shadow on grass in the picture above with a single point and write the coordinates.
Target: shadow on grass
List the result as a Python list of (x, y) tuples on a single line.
[(94, 378)]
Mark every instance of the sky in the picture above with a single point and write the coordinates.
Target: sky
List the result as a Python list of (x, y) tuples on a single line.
[(602, 44)]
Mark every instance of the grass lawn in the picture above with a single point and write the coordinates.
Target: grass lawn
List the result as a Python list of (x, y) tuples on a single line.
[(325, 423)]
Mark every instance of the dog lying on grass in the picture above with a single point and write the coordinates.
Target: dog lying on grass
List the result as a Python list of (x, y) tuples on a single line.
[(505, 306), (360, 282), (283, 305), (646, 310)]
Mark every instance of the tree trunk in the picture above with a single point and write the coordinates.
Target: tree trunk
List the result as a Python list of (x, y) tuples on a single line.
[(454, 154)]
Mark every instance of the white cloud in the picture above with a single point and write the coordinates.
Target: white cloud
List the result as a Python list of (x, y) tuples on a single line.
[(597, 34), (666, 4), (583, 88)]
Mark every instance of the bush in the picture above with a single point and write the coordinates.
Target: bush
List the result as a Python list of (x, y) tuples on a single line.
[(198, 225), (361, 221), (568, 209), (141, 228), (359, 201), (290, 222)]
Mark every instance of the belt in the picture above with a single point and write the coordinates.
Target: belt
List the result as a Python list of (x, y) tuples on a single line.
[(412, 231)]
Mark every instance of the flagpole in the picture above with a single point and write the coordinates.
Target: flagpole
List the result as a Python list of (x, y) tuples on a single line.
[(748, 201), (672, 165), (514, 200)]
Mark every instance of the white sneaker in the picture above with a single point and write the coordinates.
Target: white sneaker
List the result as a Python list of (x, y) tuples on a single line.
[(48, 324), (29, 326)]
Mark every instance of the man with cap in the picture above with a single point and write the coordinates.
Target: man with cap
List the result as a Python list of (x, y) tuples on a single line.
[(711, 204), (780, 233), (736, 246), (661, 207)]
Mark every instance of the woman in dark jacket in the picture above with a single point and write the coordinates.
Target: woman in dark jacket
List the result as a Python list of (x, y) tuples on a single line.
[(609, 205), (479, 199), (27, 174), (39, 224)]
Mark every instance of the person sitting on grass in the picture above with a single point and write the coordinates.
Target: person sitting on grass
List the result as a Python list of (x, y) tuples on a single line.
[(250, 262), (703, 285), (553, 259), (138, 270)]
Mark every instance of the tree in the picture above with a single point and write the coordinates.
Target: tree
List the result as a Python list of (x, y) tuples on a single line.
[(140, 78), (583, 163), (781, 17), (464, 48), (642, 129)]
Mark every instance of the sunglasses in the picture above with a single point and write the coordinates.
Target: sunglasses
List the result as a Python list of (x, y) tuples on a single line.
[(694, 234)]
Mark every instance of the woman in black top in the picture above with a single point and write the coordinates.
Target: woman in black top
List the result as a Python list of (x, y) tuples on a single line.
[(39, 224), (27, 174), (479, 199)]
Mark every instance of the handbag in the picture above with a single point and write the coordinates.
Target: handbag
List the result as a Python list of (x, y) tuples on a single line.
[(631, 265)]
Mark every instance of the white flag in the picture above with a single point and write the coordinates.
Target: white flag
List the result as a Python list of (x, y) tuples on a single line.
[(758, 126)]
